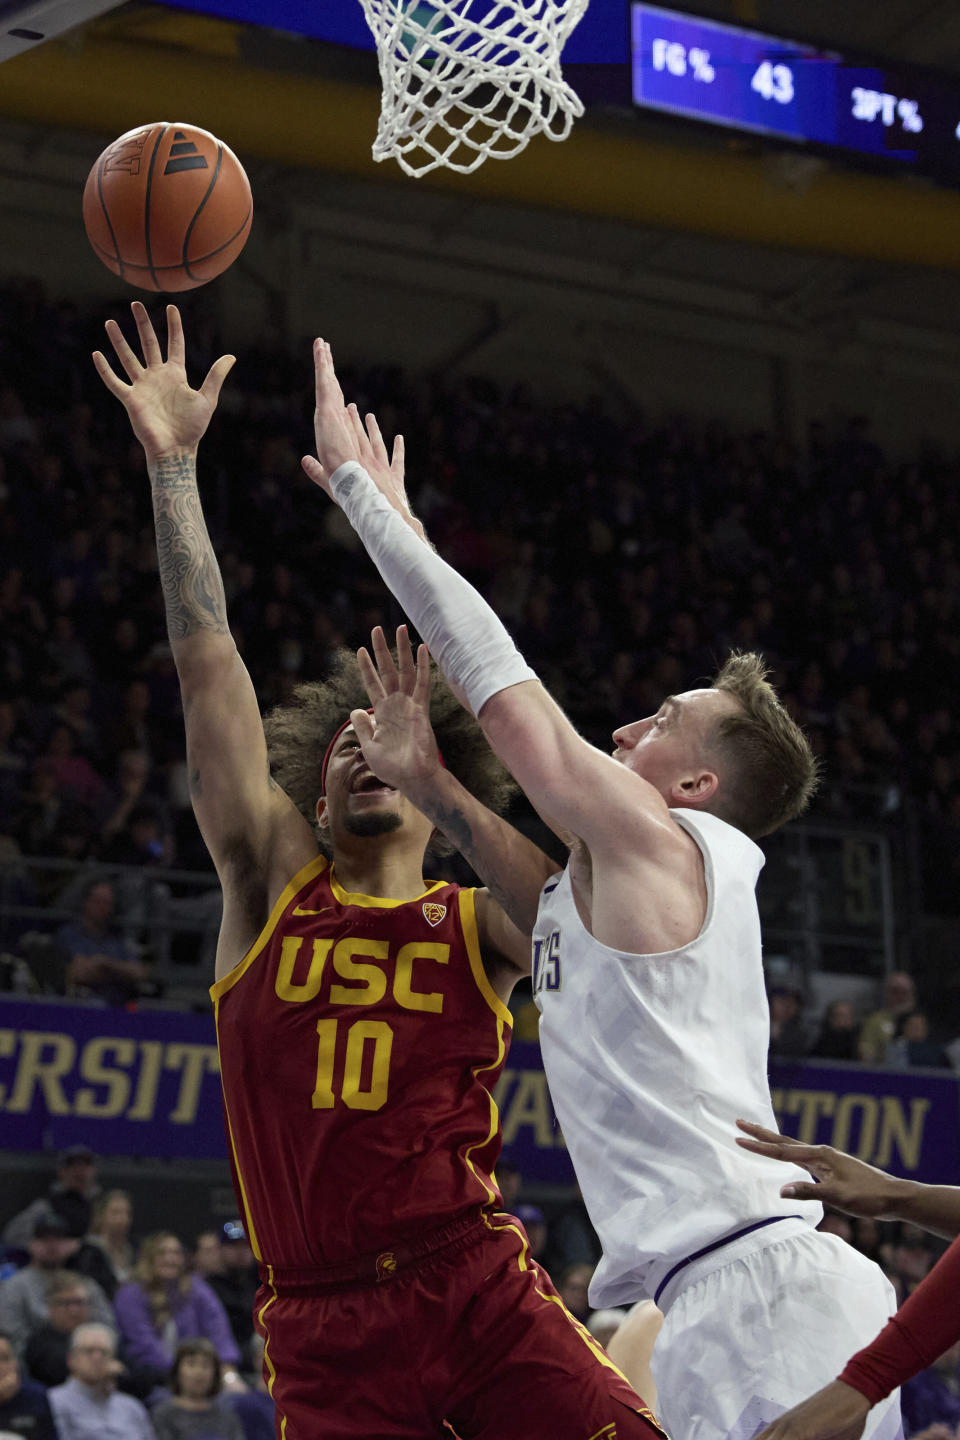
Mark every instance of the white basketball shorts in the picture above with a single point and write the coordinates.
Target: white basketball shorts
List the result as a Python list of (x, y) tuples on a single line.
[(760, 1324)]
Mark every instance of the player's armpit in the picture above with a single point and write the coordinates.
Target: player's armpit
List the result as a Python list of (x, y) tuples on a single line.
[(500, 938)]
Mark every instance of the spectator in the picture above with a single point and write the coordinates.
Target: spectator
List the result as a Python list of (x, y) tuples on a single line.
[(133, 771), (110, 1227), (24, 1407), (88, 1406), (255, 1407), (237, 1282), (145, 841), (207, 1254), (876, 1032), (166, 1303), (48, 1344), (102, 964), (838, 1033), (70, 1196), (933, 1396), (912, 1044), (192, 1412), (912, 1258), (572, 1288), (788, 1039), (23, 1297)]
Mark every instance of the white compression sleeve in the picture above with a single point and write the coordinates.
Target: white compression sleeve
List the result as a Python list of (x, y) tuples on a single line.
[(466, 638)]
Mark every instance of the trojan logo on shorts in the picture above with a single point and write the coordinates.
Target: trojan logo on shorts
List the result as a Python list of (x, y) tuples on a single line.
[(433, 913), (386, 1265), (184, 155), (128, 154)]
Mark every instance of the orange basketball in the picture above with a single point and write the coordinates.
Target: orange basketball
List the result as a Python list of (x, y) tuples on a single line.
[(167, 207)]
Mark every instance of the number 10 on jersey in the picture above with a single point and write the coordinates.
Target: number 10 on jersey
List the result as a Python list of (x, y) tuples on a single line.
[(361, 1035)]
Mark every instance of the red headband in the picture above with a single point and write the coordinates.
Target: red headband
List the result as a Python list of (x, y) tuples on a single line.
[(329, 751)]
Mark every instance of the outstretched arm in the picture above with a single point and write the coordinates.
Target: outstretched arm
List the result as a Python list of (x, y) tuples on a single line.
[(399, 746), (584, 791), (855, 1187), (241, 813)]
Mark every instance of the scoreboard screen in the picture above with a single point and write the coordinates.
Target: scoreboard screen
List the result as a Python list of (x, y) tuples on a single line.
[(739, 78)]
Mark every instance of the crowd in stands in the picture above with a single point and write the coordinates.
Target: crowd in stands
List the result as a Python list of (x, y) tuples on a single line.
[(897, 1033), (626, 555), (103, 1332)]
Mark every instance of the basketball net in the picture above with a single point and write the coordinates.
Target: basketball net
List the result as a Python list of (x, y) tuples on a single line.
[(470, 80)]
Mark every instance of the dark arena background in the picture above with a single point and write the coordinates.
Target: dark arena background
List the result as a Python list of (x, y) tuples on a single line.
[(685, 382)]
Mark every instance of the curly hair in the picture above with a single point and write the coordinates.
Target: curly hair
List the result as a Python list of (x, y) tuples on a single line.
[(299, 733)]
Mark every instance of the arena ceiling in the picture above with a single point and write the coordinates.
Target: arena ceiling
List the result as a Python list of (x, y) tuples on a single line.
[(760, 238)]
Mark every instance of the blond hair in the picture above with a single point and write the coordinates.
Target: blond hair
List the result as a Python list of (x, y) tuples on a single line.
[(155, 1289), (769, 770)]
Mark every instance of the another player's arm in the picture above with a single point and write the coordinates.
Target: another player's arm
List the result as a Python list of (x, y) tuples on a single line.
[(400, 747), (853, 1186), (242, 813), (585, 793)]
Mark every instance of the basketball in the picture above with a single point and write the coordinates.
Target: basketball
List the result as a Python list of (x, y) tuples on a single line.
[(167, 207)]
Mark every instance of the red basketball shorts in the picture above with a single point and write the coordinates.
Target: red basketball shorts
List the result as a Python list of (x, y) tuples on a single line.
[(474, 1338)]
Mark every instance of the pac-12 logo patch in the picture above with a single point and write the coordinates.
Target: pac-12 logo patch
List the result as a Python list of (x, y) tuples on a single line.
[(433, 913)]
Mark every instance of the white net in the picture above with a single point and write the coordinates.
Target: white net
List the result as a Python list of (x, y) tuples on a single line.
[(470, 80)]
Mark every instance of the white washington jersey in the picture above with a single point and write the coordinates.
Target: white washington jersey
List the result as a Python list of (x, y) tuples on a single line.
[(650, 1060)]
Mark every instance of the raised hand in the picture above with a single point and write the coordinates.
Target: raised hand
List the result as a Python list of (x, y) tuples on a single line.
[(168, 417), (397, 740), (341, 436), (837, 1412), (845, 1183)]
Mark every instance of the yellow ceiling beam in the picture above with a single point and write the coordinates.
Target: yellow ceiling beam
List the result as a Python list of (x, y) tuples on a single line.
[(115, 75)]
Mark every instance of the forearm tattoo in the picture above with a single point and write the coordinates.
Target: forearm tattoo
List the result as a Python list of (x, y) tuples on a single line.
[(492, 865), (189, 574)]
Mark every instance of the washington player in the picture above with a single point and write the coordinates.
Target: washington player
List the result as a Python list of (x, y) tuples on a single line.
[(362, 1023), (647, 971)]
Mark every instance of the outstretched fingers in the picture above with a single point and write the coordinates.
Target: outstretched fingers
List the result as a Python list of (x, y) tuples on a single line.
[(356, 425), (176, 347), (364, 727), (218, 372), (762, 1132), (375, 440), (314, 471), (124, 354), (385, 664), (405, 661), (421, 692), (370, 676), (327, 385), (149, 343), (112, 381)]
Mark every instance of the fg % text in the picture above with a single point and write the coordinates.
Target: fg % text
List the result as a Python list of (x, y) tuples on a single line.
[(872, 105), (676, 59)]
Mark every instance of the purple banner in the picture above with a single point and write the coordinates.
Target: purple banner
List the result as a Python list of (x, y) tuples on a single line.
[(906, 1122), (142, 1083), (148, 1083)]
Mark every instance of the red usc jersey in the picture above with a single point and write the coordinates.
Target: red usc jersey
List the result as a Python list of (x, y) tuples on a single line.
[(360, 1040)]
